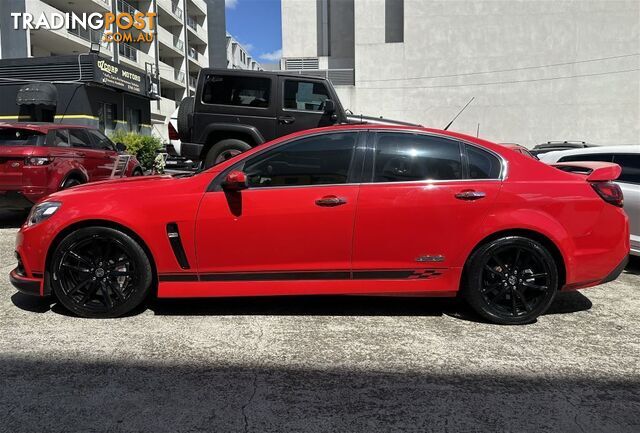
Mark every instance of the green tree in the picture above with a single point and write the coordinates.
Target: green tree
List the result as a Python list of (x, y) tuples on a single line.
[(144, 147)]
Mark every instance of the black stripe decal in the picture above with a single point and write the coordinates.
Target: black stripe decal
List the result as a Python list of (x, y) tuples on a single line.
[(403, 274), (277, 276), (178, 277)]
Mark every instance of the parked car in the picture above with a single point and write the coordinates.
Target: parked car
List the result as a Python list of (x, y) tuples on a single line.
[(627, 157), (551, 146), (338, 210), (235, 110), (37, 159), (519, 148)]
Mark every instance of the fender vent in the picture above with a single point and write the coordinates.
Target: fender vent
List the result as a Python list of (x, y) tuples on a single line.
[(176, 245)]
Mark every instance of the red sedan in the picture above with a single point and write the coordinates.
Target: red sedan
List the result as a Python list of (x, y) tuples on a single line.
[(353, 209)]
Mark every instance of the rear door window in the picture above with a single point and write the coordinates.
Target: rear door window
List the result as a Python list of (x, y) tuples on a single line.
[(237, 91), (100, 141), (79, 138), (304, 95), (630, 164), (403, 157), (21, 137), (61, 138), (482, 164)]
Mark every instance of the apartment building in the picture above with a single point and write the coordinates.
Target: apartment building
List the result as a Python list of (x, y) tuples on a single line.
[(179, 51), (238, 57), (538, 70)]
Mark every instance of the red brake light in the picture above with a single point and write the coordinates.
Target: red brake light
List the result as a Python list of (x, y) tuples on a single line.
[(173, 134), (610, 192)]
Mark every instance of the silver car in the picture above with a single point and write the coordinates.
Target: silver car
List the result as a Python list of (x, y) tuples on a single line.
[(628, 157)]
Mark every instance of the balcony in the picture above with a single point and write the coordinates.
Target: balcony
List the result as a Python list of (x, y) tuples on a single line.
[(134, 57), (197, 33), (170, 14), (170, 45), (164, 107), (125, 7), (193, 81), (171, 77), (197, 7)]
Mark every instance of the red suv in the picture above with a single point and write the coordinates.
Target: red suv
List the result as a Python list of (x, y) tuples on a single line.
[(37, 159)]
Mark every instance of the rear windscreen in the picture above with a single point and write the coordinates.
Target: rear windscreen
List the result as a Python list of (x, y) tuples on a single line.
[(21, 137)]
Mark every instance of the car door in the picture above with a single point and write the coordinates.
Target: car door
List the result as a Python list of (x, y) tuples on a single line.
[(302, 105), (422, 198), (93, 160), (629, 182), (295, 220), (109, 155)]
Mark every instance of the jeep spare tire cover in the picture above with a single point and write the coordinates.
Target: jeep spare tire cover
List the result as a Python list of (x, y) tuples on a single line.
[(185, 110)]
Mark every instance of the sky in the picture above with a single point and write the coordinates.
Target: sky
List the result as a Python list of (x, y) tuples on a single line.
[(256, 25)]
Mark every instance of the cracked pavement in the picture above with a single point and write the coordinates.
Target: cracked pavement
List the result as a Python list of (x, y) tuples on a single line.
[(319, 364)]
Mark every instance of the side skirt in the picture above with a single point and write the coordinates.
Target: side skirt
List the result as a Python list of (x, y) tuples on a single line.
[(446, 283)]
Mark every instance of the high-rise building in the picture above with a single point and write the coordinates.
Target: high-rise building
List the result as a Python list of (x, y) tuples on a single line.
[(189, 35), (539, 70)]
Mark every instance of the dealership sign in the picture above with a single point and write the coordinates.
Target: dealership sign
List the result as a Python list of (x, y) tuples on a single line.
[(114, 75), (129, 27)]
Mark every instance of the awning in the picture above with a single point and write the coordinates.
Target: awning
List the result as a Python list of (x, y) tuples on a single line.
[(37, 94)]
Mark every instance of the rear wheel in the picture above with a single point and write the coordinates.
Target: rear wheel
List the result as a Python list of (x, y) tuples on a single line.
[(225, 149), (100, 272), (71, 182), (511, 280)]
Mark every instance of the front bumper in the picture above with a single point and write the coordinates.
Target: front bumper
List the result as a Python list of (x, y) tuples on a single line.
[(28, 286)]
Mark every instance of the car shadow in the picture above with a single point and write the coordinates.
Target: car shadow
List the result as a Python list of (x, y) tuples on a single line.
[(565, 302), (10, 219), (633, 267)]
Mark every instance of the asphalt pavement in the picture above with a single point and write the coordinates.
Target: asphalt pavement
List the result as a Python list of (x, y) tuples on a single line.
[(319, 364)]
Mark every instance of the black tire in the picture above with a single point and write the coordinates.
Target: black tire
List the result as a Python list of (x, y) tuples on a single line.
[(118, 272), (185, 112), (225, 149), (511, 280), (72, 181)]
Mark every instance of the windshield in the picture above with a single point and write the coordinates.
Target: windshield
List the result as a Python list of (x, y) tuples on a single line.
[(21, 137)]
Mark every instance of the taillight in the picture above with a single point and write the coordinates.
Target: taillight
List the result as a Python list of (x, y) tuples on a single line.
[(38, 160), (610, 192), (173, 134)]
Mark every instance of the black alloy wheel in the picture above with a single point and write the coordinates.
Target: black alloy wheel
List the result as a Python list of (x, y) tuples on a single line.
[(100, 272), (511, 280), (70, 182)]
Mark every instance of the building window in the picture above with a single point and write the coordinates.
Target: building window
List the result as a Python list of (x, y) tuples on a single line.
[(107, 115), (133, 118), (394, 21)]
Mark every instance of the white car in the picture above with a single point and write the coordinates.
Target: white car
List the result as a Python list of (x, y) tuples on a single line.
[(628, 157)]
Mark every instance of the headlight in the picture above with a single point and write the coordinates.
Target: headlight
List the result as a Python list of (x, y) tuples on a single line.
[(42, 211)]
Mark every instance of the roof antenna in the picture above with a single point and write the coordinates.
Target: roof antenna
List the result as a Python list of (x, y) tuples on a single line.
[(459, 113)]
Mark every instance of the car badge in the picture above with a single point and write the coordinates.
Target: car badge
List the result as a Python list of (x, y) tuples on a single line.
[(436, 258)]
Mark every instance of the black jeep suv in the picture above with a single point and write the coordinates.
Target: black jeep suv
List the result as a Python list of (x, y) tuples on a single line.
[(234, 110)]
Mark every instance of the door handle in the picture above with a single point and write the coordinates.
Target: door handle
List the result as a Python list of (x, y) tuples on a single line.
[(330, 201), (470, 195), (286, 120)]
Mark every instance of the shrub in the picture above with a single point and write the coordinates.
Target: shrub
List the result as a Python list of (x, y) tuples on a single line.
[(144, 147)]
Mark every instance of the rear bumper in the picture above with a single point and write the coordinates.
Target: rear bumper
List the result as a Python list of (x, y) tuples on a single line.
[(14, 200), (191, 151), (28, 286), (616, 272)]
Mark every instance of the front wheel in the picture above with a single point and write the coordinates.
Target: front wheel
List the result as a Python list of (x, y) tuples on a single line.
[(511, 280), (100, 272)]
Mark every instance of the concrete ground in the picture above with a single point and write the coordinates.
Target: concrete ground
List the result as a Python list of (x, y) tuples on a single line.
[(333, 364)]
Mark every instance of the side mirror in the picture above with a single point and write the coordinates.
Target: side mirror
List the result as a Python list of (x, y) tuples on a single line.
[(329, 106), (120, 147), (236, 180)]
